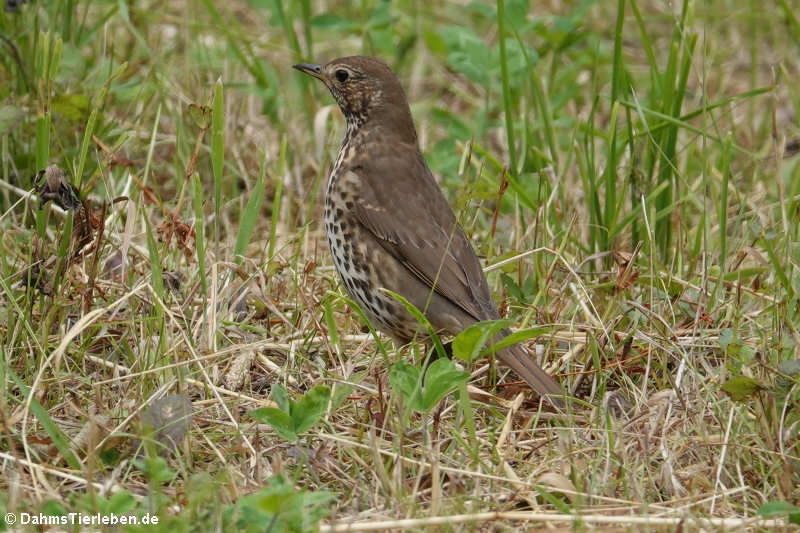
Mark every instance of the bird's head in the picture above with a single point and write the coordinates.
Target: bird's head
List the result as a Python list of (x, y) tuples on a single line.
[(367, 92)]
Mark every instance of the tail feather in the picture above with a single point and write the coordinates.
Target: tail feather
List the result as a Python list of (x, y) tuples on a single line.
[(523, 364)]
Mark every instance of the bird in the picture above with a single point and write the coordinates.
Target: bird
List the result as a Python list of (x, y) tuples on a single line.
[(390, 227)]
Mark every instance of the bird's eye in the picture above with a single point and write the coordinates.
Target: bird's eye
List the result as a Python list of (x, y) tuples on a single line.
[(342, 75)]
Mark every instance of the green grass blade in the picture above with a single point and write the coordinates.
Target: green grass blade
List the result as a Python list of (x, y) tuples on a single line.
[(508, 116), (200, 233), (217, 153), (276, 202), (42, 140), (249, 219)]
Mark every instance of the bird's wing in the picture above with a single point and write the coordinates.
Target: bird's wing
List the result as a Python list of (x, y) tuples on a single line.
[(401, 204)]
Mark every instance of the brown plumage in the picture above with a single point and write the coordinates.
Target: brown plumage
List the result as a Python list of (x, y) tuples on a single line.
[(389, 225)]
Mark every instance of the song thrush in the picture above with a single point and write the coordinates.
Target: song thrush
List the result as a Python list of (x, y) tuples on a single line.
[(389, 225)]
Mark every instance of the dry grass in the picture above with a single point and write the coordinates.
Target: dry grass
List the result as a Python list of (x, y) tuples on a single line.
[(643, 328)]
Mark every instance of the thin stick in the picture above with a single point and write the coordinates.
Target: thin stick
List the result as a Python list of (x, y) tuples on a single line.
[(383, 525)]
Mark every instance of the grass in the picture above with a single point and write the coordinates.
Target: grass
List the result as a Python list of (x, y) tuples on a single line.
[(646, 246)]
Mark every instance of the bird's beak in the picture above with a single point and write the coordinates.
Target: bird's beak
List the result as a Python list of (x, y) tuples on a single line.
[(311, 69)]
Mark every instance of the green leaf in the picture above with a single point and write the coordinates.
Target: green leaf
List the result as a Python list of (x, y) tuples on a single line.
[(74, 107), (468, 53), (339, 394), (726, 338), (405, 378), (120, 503), (271, 499), (201, 115), (731, 344), (468, 344), (516, 12), (281, 397), (310, 408), (771, 509), (280, 421), (741, 387), (441, 378), (512, 288), (278, 507), (517, 337), (293, 418), (156, 470), (329, 21), (53, 508)]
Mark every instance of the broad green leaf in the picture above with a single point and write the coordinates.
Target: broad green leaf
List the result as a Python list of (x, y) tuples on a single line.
[(741, 387), (405, 378), (726, 338), (281, 397), (468, 344), (120, 503), (52, 508), (772, 509), (422, 392), (283, 508), (271, 499), (777, 509), (339, 394), (280, 421), (732, 345), (156, 469), (512, 288), (74, 107), (310, 408), (201, 115), (330, 21), (441, 378), (517, 337)]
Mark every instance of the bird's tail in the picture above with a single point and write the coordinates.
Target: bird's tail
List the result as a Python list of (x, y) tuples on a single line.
[(523, 364)]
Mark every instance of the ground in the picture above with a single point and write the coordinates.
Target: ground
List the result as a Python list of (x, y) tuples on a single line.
[(174, 341)]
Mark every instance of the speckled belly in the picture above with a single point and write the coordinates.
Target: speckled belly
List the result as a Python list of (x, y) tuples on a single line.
[(365, 267)]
